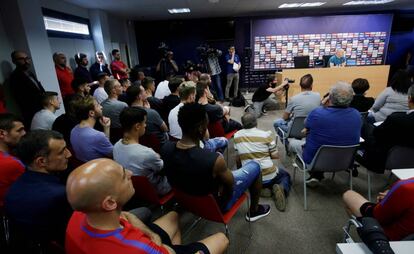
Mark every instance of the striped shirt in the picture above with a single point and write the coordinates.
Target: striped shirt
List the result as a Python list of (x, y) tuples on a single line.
[(255, 144)]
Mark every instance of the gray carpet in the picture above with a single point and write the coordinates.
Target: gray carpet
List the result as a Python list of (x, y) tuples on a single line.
[(295, 230)]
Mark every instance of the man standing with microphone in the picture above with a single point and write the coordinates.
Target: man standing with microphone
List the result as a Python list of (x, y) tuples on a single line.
[(233, 66)]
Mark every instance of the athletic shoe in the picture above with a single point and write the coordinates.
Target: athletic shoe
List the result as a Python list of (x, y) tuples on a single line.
[(247, 108), (312, 182), (279, 197), (262, 211), (265, 193)]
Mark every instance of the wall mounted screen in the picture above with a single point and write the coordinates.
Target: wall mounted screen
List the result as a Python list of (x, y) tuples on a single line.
[(276, 42)]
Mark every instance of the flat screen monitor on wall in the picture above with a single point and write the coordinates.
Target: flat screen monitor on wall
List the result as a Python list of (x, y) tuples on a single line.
[(276, 42)]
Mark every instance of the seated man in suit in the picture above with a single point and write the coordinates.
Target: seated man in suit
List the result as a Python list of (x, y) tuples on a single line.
[(200, 172), (97, 191), (394, 209), (395, 130), (36, 203)]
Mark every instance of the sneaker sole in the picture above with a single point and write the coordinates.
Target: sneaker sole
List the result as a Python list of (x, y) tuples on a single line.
[(257, 217), (312, 184), (279, 197)]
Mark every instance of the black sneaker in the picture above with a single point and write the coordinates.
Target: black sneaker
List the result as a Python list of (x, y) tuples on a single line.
[(262, 211)]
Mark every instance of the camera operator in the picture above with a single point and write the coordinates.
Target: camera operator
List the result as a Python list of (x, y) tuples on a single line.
[(261, 100), (214, 70), (167, 66)]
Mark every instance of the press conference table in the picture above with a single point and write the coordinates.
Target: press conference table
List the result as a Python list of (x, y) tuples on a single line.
[(324, 78)]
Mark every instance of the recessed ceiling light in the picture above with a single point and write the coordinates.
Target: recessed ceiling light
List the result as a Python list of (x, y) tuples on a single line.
[(179, 10), (365, 2), (296, 5)]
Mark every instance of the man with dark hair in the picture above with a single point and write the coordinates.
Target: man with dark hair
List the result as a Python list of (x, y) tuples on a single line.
[(66, 121), (167, 66), (64, 73), (88, 143), (25, 87), (97, 191), (112, 107), (299, 105), (149, 85), (173, 99), (36, 203), (125, 83), (360, 102), (45, 118), (253, 144), (233, 66), (11, 131), (99, 93), (119, 69), (81, 71), (141, 160), (137, 97), (200, 172), (81, 87), (99, 66), (261, 100)]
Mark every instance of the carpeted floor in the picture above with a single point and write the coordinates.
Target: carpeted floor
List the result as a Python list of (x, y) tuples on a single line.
[(295, 230)]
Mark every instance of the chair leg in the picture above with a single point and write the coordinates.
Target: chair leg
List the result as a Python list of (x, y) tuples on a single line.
[(294, 175), (248, 214), (188, 231), (369, 185), (305, 204), (350, 180), (227, 231)]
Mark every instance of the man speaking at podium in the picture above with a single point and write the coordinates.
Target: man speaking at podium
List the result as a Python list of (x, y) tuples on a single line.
[(338, 60)]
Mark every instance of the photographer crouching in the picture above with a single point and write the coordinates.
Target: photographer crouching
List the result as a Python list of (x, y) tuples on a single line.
[(261, 100)]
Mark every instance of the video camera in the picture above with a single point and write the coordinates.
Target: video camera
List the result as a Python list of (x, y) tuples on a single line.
[(163, 49), (289, 81), (205, 51)]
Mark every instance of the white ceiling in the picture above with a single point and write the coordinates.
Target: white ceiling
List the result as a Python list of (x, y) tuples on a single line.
[(158, 9)]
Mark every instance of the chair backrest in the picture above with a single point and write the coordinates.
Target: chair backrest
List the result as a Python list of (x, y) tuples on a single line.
[(333, 158), (298, 124), (400, 157), (215, 129), (144, 190), (203, 206)]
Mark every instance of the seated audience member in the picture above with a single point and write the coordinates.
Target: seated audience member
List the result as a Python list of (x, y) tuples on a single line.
[(299, 105), (173, 99), (337, 124), (99, 93), (261, 100), (139, 78), (393, 209), (81, 71), (155, 103), (204, 77), (88, 143), (81, 88), (215, 112), (392, 99), (187, 91), (24, 87), (112, 107), (125, 83), (99, 66), (360, 102), (137, 97), (45, 118), (64, 74), (162, 89), (97, 191), (200, 172), (397, 129), (119, 69), (36, 203), (66, 121), (11, 131), (253, 144), (141, 160)]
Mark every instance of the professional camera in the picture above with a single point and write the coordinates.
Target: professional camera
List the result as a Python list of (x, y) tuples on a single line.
[(163, 49), (205, 51)]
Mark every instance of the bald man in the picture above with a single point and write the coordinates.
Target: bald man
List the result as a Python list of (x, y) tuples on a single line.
[(97, 190)]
